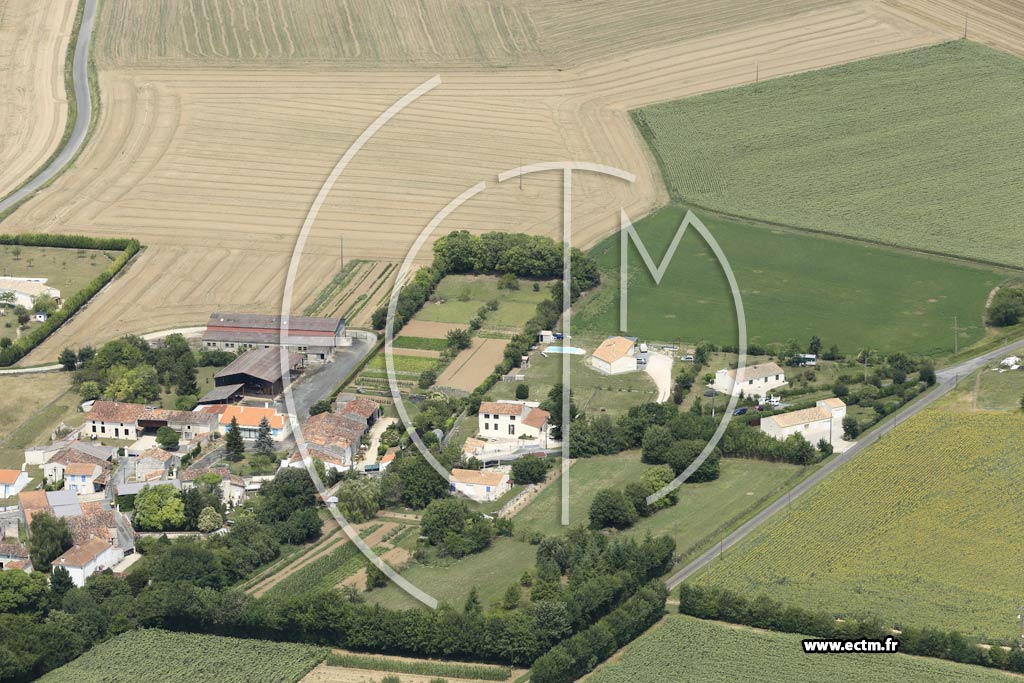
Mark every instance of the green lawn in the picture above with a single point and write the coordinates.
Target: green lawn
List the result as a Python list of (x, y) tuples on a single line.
[(794, 285), (463, 295), (688, 650), (69, 270), (704, 510), (906, 149), (402, 363), (921, 529), (425, 343), (1000, 390), (592, 391), (490, 571)]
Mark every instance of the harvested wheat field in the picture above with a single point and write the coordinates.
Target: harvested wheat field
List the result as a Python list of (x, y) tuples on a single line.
[(468, 369), (999, 23), (430, 330), (34, 37), (214, 169)]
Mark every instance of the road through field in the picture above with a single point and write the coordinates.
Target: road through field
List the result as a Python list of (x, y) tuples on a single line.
[(83, 103), (947, 379)]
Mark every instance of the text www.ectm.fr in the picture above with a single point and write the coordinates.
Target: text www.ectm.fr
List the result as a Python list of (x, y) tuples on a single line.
[(890, 644)]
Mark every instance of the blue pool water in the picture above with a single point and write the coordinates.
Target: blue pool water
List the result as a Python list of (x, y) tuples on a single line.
[(566, 349)]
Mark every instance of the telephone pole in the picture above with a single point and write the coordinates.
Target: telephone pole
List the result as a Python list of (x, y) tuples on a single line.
[(757, 73), (1020, 624), (341, 242), (956, 337), (965, 25)]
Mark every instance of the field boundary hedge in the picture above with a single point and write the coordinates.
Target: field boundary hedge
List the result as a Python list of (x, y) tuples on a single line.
[(128, 248)]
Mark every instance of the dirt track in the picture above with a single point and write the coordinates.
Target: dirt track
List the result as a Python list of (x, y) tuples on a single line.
[(34, 37), (215, 169)]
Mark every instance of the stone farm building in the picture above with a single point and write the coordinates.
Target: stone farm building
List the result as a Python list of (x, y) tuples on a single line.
[(823, 421), (615, 355), (479, 485), (132, 420), (505, 420), (756, 380), (314, 338), (255, 373)]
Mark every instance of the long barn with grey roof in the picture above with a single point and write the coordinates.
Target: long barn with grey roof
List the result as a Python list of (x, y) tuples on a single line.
[(315, 338)]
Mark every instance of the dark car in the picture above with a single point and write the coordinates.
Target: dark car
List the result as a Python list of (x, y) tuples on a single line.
[(740, 411)]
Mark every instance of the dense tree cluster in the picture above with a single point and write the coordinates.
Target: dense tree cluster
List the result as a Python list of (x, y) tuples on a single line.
[(712, 602), (457, 531), (1007, 307)]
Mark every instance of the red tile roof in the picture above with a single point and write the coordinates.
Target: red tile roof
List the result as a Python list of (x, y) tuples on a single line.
[(83, 554), (250, 416), (9, 476), (536, 418), (363, 407), (496, 408), (112, 411)]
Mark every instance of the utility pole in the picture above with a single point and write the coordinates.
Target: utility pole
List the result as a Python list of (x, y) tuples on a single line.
[(956, 337), (757, 73), (341, 242), (866, 354), (1020, 623), (965, 25)]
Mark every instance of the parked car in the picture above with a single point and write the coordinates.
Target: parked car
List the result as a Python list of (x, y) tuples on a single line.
[(686, 358), (740, 411)]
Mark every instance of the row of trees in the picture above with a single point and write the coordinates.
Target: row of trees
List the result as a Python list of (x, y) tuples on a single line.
[(711, 602), (621, 509)]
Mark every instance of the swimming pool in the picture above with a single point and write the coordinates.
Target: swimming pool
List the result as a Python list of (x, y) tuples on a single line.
[(572, 350)]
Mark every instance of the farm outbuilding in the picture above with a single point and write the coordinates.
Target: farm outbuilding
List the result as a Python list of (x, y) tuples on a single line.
[(314, 338), (823, 421), (258, 372)]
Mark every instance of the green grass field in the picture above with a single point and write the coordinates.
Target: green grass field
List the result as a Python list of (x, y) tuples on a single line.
[(920, 529), (689, 650), (424, 343), (592, 391), (1000, 390), (463, 296), (702, 510), (402, 363), (490, 571), (155, 656), (794, 285), (906, 149)]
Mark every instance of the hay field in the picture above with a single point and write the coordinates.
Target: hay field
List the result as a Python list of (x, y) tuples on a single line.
[(463, 34), (999, 23), (34, 37), (865, 150), (920, 529), (214, 169)]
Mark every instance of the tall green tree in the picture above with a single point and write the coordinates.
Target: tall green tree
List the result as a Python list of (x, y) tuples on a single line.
[(159, 508), (48, 538), (264, 439), (68, 359), (234, 445)]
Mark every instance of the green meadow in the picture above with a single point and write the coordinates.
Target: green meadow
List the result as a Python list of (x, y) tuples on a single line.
[(794, 285)]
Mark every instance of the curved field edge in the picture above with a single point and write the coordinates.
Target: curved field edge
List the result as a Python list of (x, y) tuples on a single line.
[(920, 528), (682, 648), (156, 656), (862, 150)]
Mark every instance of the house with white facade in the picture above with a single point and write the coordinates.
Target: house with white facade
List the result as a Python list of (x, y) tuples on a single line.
[(615, 355), (480, 485), (12, 482), (80, 477), (510, 420), (27, 289), (823, 421), (114, 420), (154, 464), (55, 469), (85, 559), (753, 380), (249, 417)]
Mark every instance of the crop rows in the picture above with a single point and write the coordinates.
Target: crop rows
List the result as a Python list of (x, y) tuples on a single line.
[(687, 649), (155, 656), (920, 529), (325, 571), (863, 149)]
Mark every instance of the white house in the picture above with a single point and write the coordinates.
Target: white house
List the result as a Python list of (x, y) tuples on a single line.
[(480, 485), (614, 356), (114, 420), (84, 560), (331, 461), (12, 482), (81, 477), (249, 417), (27, 289), (756, 380), (823, 421), (509, 420)]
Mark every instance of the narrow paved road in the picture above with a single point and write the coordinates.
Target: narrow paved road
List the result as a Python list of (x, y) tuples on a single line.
[(83, 101), (946, 379)]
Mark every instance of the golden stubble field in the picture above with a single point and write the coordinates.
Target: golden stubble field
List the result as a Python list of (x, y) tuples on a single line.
[(213, 169), (34, 37)]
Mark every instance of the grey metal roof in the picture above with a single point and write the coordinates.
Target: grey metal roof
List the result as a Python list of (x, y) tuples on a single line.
[(264, 364), (260, 321), (220, 393), (131, 488), (64, 503)]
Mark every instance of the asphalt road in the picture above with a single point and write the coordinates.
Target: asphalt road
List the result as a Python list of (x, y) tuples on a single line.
[(80, 79), (946, 379), (319, 381)]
